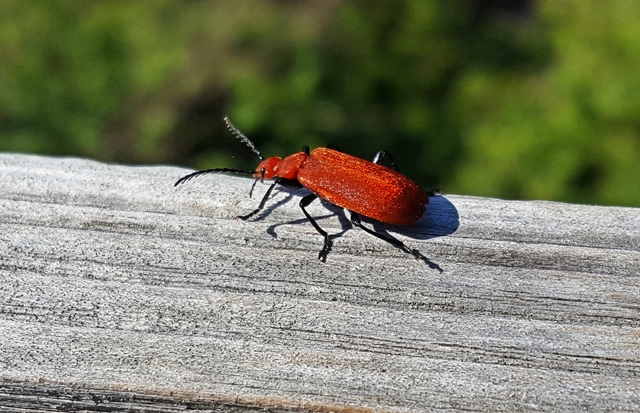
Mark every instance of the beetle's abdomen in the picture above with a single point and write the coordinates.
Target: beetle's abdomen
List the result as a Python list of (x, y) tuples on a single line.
[(369, 189)]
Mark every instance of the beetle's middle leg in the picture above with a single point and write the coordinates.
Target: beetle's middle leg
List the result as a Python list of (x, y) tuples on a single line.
[(304, 202), (356, 222)]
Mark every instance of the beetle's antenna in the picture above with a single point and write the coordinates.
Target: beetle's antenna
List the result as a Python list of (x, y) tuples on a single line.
[(210, 171), (243, 138)]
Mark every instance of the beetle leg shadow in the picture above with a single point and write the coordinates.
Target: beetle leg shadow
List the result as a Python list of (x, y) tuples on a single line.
[(272, 229), (356, 222), (345, 223), (337, 211)]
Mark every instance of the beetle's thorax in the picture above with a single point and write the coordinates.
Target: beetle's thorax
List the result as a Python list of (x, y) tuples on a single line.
[(286, 168)]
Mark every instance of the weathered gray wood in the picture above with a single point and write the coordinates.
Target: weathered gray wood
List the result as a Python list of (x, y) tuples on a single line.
[(119, 291)]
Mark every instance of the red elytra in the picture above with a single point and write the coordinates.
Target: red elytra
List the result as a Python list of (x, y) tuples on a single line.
[(360, 186)]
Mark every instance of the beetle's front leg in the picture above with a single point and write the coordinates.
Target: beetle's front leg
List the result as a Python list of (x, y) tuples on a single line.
[(262, 203)]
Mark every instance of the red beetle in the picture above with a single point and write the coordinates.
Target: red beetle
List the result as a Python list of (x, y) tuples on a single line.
[(362, 187)]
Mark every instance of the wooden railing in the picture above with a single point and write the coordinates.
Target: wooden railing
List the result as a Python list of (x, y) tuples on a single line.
[(119, 291)]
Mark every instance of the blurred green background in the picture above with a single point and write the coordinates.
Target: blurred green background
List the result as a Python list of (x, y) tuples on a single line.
[(513, 99)]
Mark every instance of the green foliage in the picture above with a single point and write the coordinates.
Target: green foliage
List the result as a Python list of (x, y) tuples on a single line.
[(523, 100), (71, 70), (570, 129)]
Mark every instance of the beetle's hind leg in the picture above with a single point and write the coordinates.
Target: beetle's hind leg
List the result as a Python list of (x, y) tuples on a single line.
[(384, 154), (356, 222), (304, 202)]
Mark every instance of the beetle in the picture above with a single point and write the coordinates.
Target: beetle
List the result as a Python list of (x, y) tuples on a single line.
[(362, 187)]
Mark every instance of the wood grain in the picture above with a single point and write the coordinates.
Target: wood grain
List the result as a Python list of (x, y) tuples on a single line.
[(119, 291)]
